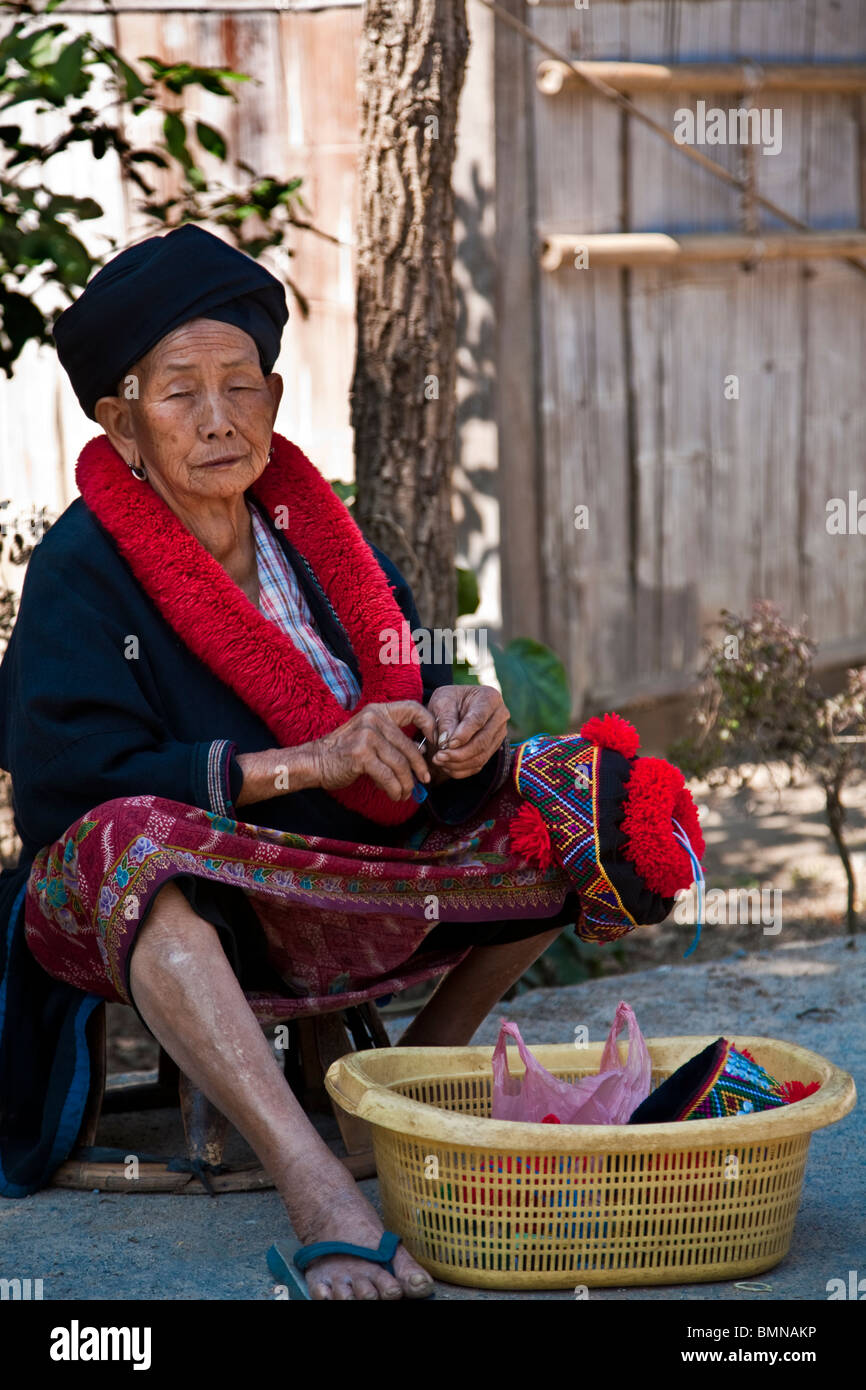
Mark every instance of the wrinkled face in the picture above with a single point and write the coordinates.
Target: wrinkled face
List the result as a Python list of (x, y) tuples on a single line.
[(202, 421)]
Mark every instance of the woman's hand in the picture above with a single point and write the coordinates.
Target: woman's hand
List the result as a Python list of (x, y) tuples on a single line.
[(471, 722), (373, 742)]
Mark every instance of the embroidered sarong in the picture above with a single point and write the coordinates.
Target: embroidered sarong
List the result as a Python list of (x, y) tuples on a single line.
[(338, 919)]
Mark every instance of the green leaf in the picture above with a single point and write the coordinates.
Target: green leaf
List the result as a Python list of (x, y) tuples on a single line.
[(134, 85), (210, 140), (468, 597), (174, 131), (347, 492), (54, 242), (462, 674), (42, 47), (68, 73), (21, 321), (84, 208), (534, 686)]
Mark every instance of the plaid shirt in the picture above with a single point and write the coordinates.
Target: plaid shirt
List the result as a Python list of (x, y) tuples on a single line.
[(282, 600)]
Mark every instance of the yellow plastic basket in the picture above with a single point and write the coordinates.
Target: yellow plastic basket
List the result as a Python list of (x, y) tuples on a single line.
[(499, 1205)]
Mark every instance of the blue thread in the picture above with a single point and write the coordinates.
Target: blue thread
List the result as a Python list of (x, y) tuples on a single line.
[(700, 883)]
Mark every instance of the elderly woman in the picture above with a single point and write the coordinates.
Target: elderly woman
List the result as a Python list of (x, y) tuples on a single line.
[(217, 765), (216, 769)]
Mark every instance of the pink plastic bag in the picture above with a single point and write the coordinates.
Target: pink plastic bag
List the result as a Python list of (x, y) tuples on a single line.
[(606, 1099)]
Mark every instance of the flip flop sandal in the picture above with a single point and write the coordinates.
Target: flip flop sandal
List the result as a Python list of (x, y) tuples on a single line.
[(303, 1255)]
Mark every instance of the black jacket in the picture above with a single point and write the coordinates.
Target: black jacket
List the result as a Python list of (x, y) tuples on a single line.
[(81, 723)]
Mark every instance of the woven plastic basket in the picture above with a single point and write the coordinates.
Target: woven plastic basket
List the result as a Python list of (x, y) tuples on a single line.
[(494, 1204)]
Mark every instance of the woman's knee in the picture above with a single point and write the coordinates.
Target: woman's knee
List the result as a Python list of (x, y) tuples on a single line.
[(173, 938)]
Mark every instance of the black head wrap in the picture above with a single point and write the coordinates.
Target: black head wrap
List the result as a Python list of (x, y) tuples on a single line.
[(153, 288)]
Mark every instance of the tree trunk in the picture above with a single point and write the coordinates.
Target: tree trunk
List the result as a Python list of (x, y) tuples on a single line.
[(403, 392)]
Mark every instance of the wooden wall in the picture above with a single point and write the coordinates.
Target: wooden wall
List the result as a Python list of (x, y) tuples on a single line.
[(695, 502), (601, 387)]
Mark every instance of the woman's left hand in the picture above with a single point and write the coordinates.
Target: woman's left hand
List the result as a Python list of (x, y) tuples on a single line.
[(471, 722)]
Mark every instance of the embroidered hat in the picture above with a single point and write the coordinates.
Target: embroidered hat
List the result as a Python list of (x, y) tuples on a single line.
[(719, 1081), (625, 828)]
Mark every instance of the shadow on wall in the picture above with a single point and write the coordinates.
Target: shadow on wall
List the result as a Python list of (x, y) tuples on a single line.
[(476, 363)]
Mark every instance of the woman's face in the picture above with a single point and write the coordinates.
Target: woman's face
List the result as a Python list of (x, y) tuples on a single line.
[(197, 413)]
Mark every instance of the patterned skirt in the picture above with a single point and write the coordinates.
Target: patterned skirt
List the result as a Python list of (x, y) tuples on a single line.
[(318, 923)]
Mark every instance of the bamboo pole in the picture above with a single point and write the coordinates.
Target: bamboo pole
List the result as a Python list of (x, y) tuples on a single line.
[(657, 248), (700, 78), (584, 73)]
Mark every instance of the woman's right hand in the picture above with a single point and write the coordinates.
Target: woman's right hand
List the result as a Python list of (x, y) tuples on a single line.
[(373, 742)]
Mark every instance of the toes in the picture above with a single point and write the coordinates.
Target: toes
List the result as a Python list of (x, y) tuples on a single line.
[(343, 1289), (415, 1282), (387, 1285), (364, 1287), (320, 1289), (418, 1285)]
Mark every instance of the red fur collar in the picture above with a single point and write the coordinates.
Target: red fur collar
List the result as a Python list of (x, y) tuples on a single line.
[(217, 621)]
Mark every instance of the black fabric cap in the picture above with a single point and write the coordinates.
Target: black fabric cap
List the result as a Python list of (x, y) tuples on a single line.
[(153, 288)]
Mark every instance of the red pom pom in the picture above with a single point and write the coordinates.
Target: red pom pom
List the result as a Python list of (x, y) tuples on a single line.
[(612, 731), (529, 836), (798, 1090), (655, 796), (551, 1120)]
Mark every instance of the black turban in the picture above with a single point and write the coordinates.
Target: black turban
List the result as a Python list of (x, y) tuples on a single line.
[(151, 289)]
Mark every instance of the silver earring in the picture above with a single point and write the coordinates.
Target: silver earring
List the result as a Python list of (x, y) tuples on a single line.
[(270, 453), (138, 472)]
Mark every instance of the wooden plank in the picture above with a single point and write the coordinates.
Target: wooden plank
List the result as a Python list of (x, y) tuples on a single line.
[(477, 477), (524, 608), (667, 472), (320, 57), (586, 554), (834, 439), (157, 1177), (318, 139)]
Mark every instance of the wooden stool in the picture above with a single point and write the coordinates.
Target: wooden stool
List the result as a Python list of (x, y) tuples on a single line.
[(314, 1043)]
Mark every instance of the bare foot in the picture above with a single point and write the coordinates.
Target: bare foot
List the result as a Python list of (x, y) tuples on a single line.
[(326, 1205)]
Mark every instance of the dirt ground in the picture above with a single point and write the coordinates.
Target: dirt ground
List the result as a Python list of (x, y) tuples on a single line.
[(763, 837), (130, 1246)]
